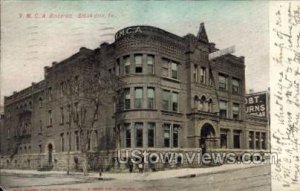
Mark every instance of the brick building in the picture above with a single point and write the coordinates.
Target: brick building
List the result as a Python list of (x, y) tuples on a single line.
[(174, 98)]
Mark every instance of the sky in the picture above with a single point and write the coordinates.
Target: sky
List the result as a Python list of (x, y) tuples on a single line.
[(29, 44)]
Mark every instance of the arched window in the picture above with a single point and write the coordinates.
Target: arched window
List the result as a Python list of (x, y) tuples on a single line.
[(203, 104), (196, 101)]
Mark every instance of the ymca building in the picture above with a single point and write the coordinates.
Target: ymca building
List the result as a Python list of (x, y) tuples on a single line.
[(174, 98)]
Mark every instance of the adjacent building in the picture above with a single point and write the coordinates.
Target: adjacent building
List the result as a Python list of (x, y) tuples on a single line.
[(174, 98)]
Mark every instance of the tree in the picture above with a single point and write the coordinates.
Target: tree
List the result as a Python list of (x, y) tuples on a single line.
[(93, 90)]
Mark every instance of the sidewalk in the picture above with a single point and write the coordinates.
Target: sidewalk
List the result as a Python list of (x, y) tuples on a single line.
[(185, 172)]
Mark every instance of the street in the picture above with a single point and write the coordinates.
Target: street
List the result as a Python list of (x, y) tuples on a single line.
[(251, 178)]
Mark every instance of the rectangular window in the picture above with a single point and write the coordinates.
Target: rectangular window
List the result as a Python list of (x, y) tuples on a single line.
[(138, 96), (165, 68), (203, 75), (257, 140), (195, 73), (223, 108), (222, 82), (138, 134), (62, 142), (50, 117), (118, 69), (76, 112), (62, 118), (126, 64), (68, 114), (76, 140), (175, 135), (127, 98), (175, 101), (138, 63), (251, 140), (166, 100), (150, 64), (150, 97), (151, 135), (69, 140), (263, 140), (167, 129), (174, 70), (235, 86), (236, 139), (40, 102), (127, 135), (49, 93), (236, 111), (210, 78), (223, 137)]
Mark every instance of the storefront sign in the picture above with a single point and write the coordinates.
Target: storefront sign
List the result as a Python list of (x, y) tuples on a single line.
[(256, 104)]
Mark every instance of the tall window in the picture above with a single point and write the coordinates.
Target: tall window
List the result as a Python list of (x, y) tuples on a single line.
[(118, 69), (50, 93), (223, 137), (76, 140), (165, 68), (169, 69), (223, 108), (50, 117), (174, 70), (175, 135), (175, 101), (138, 95), (138, 134), (251, 140), (203, 75), (68, 114), (40, 148), (138, 63), (236, 111), (151, 135), (62, 118), (40, 102), (210, 105), (150, 64), (126, 64), (263, 140), (167, 133), (150, 97), (69, 140), (76, 111), (127, 98), (127, 135), (62, 142), (235, 86), (195, 73), (236, 139), (222, 82), (257, 140), (166, 100)]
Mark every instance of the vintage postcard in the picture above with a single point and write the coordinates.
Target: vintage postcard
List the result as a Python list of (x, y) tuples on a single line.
[(149, 95)]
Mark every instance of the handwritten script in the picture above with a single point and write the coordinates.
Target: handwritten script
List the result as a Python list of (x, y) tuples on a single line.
[(285, 94)]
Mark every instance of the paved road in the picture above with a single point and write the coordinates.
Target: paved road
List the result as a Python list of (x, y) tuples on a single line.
[(249, 179)]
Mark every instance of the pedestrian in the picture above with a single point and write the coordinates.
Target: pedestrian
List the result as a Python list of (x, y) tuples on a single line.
[(130, 165)]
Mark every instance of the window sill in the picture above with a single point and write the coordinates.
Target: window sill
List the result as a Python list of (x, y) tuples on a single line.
[(171, 79), (171, 112)]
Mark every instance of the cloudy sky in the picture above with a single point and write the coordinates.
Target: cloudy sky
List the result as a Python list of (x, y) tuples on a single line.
[(29, 44)]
